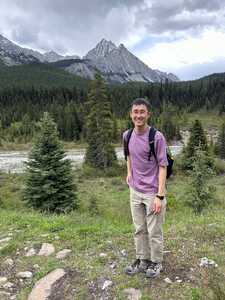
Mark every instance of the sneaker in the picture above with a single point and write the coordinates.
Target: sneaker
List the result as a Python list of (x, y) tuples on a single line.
[(139, 265), (153, 270)]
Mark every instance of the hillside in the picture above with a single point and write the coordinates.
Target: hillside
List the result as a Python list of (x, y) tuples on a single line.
[(38, 75)]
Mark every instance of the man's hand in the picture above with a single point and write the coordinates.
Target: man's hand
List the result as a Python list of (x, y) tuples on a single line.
[(127, 178), (157, 205)]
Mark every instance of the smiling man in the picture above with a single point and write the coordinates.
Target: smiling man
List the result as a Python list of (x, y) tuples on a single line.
[(146, 177)]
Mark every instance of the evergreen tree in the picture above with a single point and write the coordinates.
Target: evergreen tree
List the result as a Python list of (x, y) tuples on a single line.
[(220, 145), (100, 151), (169, 122), (200, 192), (49, 184), (196, 141)]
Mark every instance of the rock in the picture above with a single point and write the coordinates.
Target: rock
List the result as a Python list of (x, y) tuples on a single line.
[(179, 280), (63, 254), (4, 294), (5, 240), (103, 255), (212, 224), (167, 280), (132, 294), (46, 249), (9, 262), (44, 235), (166, 251), (31, 252), (205, 262), (8, 285), (106, 284), (43, 287), (36, 266), (24, 275), (13, 297), (3, 280), (112, 265), (124, 253)]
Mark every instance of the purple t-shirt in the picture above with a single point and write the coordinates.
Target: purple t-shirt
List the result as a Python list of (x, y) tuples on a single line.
[(144, 173)]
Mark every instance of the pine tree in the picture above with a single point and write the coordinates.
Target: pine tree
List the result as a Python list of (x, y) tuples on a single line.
[(100, 151), (49, 183), (197, 140), (220, 145), (201, 193), (169, 122)]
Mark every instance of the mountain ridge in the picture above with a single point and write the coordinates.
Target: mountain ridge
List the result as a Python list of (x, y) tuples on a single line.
[(116, 64)]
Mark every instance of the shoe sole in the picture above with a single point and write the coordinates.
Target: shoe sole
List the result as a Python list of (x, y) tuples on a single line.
[(155, 275)]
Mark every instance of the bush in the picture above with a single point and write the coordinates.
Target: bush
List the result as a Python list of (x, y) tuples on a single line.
[(219, 165), (200, 192), (93, 206)]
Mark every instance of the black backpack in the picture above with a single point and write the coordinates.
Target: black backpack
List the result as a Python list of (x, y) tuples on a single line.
[(152, 133)]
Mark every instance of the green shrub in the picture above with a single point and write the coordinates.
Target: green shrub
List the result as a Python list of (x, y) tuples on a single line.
[(219, 165), (200, 193)]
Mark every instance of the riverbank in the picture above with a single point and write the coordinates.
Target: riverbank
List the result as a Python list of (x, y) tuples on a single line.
[(10, 146), (13, 161)]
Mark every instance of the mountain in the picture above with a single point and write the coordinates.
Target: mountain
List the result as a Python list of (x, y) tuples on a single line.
[(116, 64), (101, 50), (119, 64), (12, 54), (52, 56)]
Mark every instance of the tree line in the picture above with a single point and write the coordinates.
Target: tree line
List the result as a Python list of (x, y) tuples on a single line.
[(21, 108)]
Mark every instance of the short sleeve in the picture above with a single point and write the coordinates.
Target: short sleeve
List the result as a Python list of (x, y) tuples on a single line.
[(124, 135), (160, 149)]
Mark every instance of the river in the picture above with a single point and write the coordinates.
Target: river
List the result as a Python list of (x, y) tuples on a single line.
[(13, 161)]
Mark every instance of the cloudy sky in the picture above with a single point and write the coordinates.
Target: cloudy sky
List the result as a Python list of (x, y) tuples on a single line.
[(186, 37)]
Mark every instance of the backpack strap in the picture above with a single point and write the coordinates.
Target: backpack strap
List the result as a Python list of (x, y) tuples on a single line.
[(151, 138), (126, 143)]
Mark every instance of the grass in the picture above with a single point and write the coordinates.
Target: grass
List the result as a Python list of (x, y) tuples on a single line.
[(106, 227), (209, 119)]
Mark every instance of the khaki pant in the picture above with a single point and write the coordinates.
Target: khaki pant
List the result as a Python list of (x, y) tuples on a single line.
[(148, 234)]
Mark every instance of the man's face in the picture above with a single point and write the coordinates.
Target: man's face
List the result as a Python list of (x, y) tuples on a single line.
[(139, 115)]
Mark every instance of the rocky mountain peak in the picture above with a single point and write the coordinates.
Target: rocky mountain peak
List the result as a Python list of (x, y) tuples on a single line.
[(4, 42), (52, 56), (102, 49), (116, 64)]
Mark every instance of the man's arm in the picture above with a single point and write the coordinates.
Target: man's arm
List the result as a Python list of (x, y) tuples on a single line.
[(128, 169), (157, 204), (162, 181)]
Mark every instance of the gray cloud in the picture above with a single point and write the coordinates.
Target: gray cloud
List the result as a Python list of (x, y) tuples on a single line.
[(75, 26), (159, 16), (208, 5), (196, 71)]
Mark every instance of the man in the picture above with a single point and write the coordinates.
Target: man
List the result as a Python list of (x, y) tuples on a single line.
[(146, 179)]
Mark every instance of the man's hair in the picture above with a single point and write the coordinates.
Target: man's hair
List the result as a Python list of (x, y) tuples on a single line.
[(140, 101)]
